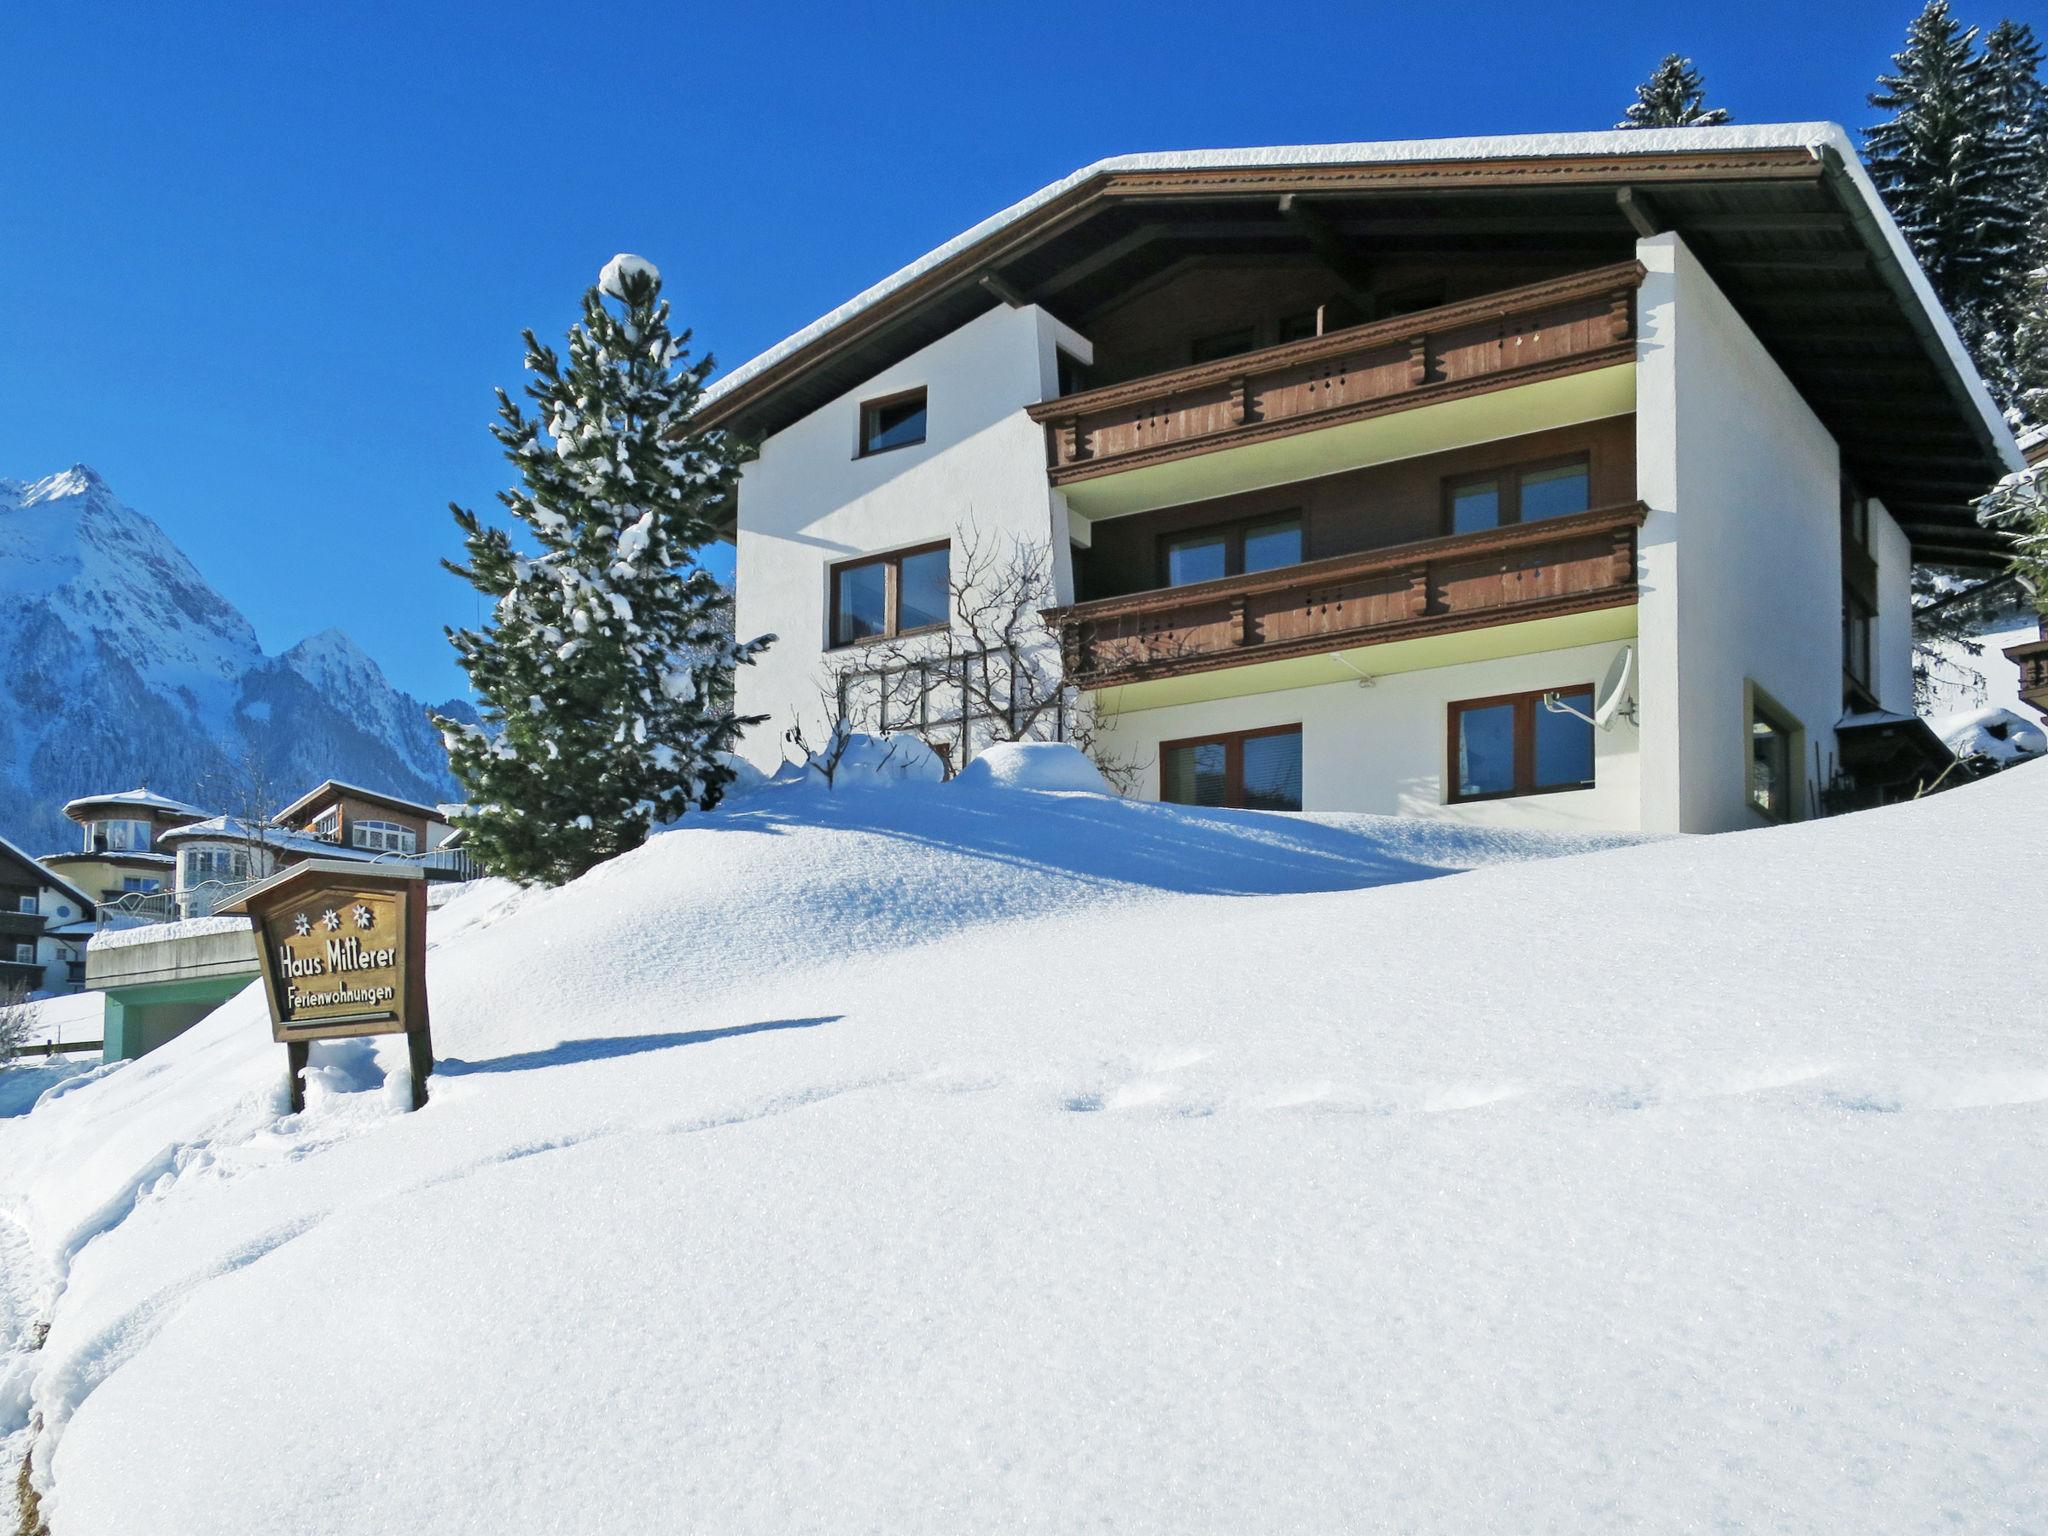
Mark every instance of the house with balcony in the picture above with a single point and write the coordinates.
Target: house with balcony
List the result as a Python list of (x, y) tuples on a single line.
[(1359, 470), (121, 852), (45, 922), (218, 857), (161, 972)]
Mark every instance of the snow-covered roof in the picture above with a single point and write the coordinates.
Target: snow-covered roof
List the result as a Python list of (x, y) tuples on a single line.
[(1993, 733), (234, 829), (142, 799), (110, 856), (1820, 139), (14, 850), (159, 933), (329, 789)]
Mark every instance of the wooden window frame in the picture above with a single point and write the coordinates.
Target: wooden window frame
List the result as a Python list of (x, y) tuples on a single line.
[(1232, 743), (1526, 703), (861, 450), (1757, 703), (1232, 533), (892, 587), (1510, 478)]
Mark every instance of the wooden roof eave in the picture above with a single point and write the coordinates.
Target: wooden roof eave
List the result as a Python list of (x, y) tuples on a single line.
[(962, 270)]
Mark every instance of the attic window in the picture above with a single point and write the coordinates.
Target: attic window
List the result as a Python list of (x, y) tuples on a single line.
[(895, 421)]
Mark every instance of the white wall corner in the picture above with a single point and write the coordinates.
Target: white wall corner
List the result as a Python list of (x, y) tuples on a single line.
[(1657, 486)]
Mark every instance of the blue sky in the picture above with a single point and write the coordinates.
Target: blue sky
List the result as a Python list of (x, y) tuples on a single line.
[(262, 265)]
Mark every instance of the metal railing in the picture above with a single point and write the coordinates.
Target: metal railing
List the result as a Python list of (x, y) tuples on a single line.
[(136, 908)]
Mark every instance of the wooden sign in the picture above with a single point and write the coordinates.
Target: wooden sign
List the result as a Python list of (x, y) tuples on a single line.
[(343, 949)]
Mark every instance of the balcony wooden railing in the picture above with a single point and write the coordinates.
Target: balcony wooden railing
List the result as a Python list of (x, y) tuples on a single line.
[(1541, 331), (1435, 586)]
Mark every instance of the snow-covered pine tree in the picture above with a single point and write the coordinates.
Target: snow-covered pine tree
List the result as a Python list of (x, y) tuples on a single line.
[(605, 668), (1937, 166), (1673, 97), (2007, 331)]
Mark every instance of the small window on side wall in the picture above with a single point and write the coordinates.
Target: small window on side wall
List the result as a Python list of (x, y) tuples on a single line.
[(895, 421), (1773, 757)]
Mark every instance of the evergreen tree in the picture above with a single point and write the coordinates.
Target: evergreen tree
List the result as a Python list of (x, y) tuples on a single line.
[(605, 669), (1935, 162), (1673, 97)]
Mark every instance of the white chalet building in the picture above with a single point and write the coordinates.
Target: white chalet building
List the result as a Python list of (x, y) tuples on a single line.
[(1351, 463)]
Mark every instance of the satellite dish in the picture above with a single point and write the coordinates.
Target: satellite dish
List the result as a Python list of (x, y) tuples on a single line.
[(1608, 700)]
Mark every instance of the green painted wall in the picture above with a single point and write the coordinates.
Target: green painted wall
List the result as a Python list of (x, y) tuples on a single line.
[(139, 1019)]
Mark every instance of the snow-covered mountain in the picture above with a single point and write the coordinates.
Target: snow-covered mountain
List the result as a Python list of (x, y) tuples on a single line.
[(128, 668)]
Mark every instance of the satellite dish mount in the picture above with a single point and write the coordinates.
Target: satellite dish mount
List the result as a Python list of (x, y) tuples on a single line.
[(1611, 702)]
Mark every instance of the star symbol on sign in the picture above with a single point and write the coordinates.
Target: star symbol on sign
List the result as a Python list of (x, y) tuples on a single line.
[(364, 917), (330, 920), (302, 925)]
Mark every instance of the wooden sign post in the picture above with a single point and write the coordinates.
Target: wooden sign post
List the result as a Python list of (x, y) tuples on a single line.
[(343, 948)]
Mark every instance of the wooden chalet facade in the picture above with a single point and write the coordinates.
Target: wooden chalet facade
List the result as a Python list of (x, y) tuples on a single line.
[(1332, 449)]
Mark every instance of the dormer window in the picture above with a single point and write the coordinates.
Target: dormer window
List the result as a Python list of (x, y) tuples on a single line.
[(327, 825), (895, 421)]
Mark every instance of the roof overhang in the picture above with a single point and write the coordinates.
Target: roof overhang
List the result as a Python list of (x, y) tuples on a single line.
[(331, 791), (1783, 216)]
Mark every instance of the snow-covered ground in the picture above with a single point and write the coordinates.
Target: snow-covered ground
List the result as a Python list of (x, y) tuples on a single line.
[(962, 1158)]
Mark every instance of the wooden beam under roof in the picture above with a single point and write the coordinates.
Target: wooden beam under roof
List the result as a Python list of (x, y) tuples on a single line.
[(1353, 275)]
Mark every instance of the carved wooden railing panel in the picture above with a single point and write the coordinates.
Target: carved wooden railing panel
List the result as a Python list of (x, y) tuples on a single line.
[(1500, 576), (1543, 330)]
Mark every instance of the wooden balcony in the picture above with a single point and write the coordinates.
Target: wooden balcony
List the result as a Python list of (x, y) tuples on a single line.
[(1519, 336), (2031, 657), (1435, 586)]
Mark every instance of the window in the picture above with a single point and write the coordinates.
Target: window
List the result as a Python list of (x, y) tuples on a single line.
[(1514, 745), (1236, 550), (198, 866), (24, 953), (27, 904), (1527, 494), (896, 421), (1248, 770), (383, 836), (118, 837), (889, 595), (1073, 376), (1222, 344), (1773, 757), (1855, 517), (1300, 327), (141, 884), (1856, 618), (327, 825)]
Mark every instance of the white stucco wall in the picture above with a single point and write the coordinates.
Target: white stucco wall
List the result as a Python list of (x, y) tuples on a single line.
[(1384, 748), (808, 501), (1891, 640), (1741, 553)]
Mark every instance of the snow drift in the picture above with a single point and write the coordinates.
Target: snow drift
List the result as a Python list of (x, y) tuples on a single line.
[(943, 1160)]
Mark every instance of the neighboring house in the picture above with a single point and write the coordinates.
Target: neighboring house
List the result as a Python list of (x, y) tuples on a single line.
[(1354, 463), (121, 855), (218, 857), (369, 822), (162, 977), (1995, 614), (45, 921)]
